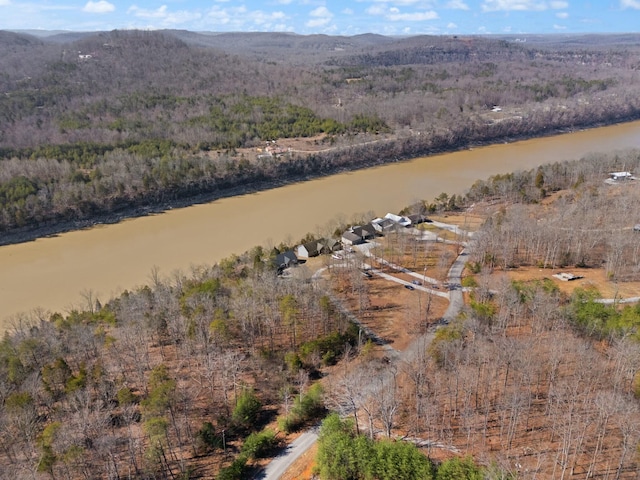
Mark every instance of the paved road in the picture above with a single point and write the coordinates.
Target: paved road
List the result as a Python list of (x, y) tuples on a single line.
[(279, 465), (456, 300)]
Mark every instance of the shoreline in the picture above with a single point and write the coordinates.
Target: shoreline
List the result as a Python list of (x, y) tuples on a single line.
[(182, 200)]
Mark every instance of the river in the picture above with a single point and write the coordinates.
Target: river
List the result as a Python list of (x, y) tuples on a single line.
[(56, 273)]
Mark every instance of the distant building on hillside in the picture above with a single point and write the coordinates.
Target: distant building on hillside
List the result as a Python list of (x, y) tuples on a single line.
[(618, 176)]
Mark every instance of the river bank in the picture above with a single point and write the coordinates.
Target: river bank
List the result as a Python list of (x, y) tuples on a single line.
[(51, 273), (311, 166)]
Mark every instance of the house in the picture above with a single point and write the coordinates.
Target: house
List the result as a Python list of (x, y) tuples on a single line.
[(619, 176), (285, 260), (365, 231), (351, 238), (404, 221), (309, 249), (383, 225), (330, 245)]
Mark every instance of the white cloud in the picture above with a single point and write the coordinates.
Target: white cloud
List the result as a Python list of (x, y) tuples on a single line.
[(160, 12), (321, 17), (101, 6), (321, 12), (376, 10), (559, 27), (630, 4), (407, 3), (239, 18), (451, 25), (558, 5), (562, 15), (457, 5), (165, 17), (5, 3), (412, 17), (514, 5), (347, 11), (317, 22), (394, 14)]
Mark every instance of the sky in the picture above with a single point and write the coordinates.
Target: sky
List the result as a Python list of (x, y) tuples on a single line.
[(331, 17)]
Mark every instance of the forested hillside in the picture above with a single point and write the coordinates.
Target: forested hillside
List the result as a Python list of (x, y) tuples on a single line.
[(93, 126)]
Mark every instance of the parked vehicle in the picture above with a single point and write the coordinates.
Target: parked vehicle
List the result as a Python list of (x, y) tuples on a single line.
[(409, 287)]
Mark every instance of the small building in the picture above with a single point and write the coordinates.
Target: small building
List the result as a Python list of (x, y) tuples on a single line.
[(566, 277), (620, 176)]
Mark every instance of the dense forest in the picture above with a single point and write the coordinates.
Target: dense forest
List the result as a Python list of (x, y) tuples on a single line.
[(95, 126), (204, 374)]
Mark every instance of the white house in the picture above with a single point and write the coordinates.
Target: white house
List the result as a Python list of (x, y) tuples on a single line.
[(616, 176), (404, 221)]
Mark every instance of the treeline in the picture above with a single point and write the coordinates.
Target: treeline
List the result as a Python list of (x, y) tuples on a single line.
[(93, 181)]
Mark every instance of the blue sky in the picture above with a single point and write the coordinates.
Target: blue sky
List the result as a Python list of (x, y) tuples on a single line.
[(332, 17)]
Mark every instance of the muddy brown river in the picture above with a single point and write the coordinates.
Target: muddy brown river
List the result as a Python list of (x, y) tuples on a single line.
[(56, 273)]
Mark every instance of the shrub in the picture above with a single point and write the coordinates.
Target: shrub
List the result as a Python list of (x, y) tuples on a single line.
[(456, 469), (206, 438), (260, 445), (309, 407), (469, 282), (246, 410), (236, 470), (125, 396)]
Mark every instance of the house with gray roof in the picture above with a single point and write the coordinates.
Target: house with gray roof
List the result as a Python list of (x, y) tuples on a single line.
[(351, 238)]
